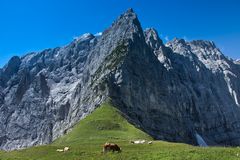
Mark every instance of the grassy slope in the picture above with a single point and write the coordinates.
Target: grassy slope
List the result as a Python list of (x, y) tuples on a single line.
[(107, 125)]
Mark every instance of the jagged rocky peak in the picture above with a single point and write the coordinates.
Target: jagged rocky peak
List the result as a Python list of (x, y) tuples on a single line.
[(129, 14), (203, 43), (177, 44), (210, 55), (9, 70), (206, 51), (129, 23), (86, 36), (128, 18), (206, 46), (156, 44), (237, 61), (197, 43), (12, 66), (176, 41), (152, 38)]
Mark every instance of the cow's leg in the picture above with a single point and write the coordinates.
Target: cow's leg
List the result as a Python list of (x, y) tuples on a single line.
[(105, 150)]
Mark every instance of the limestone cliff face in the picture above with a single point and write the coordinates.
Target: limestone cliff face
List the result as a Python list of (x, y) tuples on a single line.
[(192, 89), (175, 92)]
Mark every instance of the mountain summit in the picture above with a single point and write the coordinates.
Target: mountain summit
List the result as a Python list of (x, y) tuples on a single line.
[(181, 91)]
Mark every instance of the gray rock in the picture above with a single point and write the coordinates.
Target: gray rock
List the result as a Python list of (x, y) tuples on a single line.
[(171, 91), (237, 61)]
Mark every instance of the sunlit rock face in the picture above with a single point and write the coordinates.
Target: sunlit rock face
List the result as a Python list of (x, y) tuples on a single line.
[(173, 92)]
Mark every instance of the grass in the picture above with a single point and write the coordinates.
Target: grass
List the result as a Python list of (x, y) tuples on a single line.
[(106, 124)]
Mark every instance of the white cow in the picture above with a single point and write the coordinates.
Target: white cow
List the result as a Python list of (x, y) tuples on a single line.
[(59, 150), (65, 149), (138, 142)]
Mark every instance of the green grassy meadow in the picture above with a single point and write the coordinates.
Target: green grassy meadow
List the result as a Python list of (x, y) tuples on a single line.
[(106, 124)]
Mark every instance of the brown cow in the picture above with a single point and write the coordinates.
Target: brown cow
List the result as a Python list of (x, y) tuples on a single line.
[(107, 147)]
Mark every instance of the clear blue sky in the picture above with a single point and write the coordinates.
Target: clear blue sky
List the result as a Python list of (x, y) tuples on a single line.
[(33, 25)]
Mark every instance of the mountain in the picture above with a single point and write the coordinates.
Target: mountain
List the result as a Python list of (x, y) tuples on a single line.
[(181, 91), (237, 61), (108, 124)]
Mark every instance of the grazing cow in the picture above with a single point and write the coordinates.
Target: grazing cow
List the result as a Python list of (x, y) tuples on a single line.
[(59, 150), (66, 149), (138, 142), (107, 147)]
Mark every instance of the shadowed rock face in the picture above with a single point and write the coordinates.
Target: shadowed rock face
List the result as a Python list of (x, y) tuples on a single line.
[(173, 92)]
